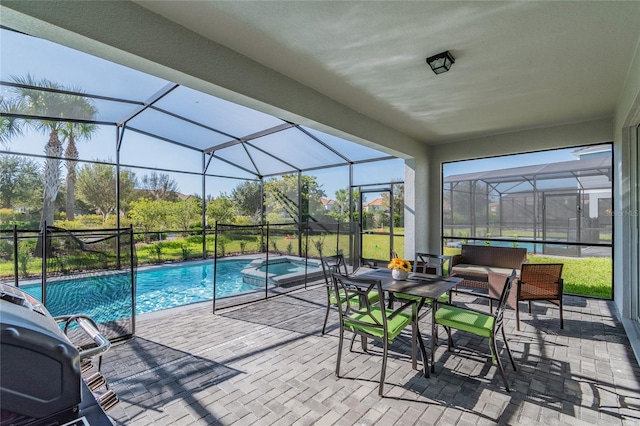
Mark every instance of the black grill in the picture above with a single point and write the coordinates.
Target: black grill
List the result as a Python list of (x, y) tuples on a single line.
[(45, 379)]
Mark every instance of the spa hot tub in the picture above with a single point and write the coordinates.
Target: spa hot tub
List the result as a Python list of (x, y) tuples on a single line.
[(282, 271)]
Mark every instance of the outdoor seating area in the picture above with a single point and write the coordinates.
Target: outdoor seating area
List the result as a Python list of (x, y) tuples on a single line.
[(268, 363), (474, 263), (301, 213)]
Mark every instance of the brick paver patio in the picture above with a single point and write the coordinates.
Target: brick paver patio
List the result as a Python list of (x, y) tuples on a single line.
[(266, 363)]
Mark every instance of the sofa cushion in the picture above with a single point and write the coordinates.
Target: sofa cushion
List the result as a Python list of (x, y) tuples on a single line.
[(479, 271)]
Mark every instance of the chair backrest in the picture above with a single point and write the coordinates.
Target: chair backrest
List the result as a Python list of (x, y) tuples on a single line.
[(504, 296), (355, 295), (427, 263), (500, 257), (331, 265), (541, 272)]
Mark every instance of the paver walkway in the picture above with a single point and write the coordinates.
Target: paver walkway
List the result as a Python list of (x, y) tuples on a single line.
[(266, 363)]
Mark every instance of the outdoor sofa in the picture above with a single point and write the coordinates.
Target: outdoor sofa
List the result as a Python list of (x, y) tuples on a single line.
[(474, 263)]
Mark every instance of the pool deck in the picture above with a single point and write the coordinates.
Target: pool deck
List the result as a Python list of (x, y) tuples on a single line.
[(266, 363)]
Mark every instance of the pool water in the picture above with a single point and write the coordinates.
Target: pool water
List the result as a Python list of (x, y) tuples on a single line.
[(284, 268), (170, 287), (107, 297)]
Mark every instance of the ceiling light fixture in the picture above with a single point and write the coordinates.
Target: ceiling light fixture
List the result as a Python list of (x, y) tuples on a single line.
[(441, 62)]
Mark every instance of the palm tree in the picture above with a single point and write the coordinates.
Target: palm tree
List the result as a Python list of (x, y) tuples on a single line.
[(51, 104), (10, 126), (72, 132)]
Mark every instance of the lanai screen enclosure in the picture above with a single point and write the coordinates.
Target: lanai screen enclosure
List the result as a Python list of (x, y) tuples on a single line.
[(562, 208), (95, 112), (84, 138)]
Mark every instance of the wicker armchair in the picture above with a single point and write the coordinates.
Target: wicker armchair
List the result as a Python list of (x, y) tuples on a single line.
[(540, 282)]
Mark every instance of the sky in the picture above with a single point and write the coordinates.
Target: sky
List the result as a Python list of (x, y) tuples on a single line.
[(508, 161)]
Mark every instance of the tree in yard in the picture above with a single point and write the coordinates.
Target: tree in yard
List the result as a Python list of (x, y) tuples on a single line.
[(10, 126), (149, 214), (20, 182), (159, 186), (183, 213), (340, 211), (398, 203), (283, 197), (248, 199), (96, 185), (221, 209), (54, 107), (73, 132)]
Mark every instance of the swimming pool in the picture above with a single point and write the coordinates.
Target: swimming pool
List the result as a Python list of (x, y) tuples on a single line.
[(107, 297)]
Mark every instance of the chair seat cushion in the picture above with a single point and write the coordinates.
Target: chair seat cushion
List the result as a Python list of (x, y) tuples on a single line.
[(373, 297), (394, 325), (465, 320)]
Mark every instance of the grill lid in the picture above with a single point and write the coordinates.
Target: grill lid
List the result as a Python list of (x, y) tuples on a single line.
[(40, 367)]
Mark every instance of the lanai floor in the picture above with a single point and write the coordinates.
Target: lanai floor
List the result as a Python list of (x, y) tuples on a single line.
[(267, 363)]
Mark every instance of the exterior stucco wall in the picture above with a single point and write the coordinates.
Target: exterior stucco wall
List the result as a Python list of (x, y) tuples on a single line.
[(626, 225)]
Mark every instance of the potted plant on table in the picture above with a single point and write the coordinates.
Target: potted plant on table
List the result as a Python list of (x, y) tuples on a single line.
[(400, 268)]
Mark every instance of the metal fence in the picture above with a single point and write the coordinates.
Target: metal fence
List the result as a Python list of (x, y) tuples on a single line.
[(95, 272), (276, 258), (89, 272)]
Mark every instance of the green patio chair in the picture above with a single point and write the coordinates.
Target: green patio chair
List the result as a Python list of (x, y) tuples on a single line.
[(480, 323), (373, 320), (330, 265), (427, 263)]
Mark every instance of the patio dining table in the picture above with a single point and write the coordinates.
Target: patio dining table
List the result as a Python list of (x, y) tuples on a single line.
[(425, 286)]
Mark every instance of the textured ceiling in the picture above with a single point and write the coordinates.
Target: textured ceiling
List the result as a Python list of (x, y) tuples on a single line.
[(519, 65)]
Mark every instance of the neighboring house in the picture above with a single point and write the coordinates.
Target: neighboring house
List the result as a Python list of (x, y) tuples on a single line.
[(327, 204), (374, 205), (598, 187)]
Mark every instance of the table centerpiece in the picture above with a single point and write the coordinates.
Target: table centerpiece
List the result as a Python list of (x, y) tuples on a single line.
[(400, 268)]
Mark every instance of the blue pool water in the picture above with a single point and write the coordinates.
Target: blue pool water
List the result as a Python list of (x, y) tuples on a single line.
[(284, 268), (108, 297), (531, 247)]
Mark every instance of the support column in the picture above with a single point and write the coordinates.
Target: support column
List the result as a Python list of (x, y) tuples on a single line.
[(416, 213)]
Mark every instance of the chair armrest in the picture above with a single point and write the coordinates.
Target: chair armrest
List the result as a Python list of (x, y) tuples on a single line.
[(476, 294), (482, 296), (402, 308), (476, 311), (455, 259)]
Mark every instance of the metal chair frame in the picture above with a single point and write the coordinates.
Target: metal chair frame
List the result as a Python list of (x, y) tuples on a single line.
[(330, 265), (498, 326), (361, 319), (424, 262)]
